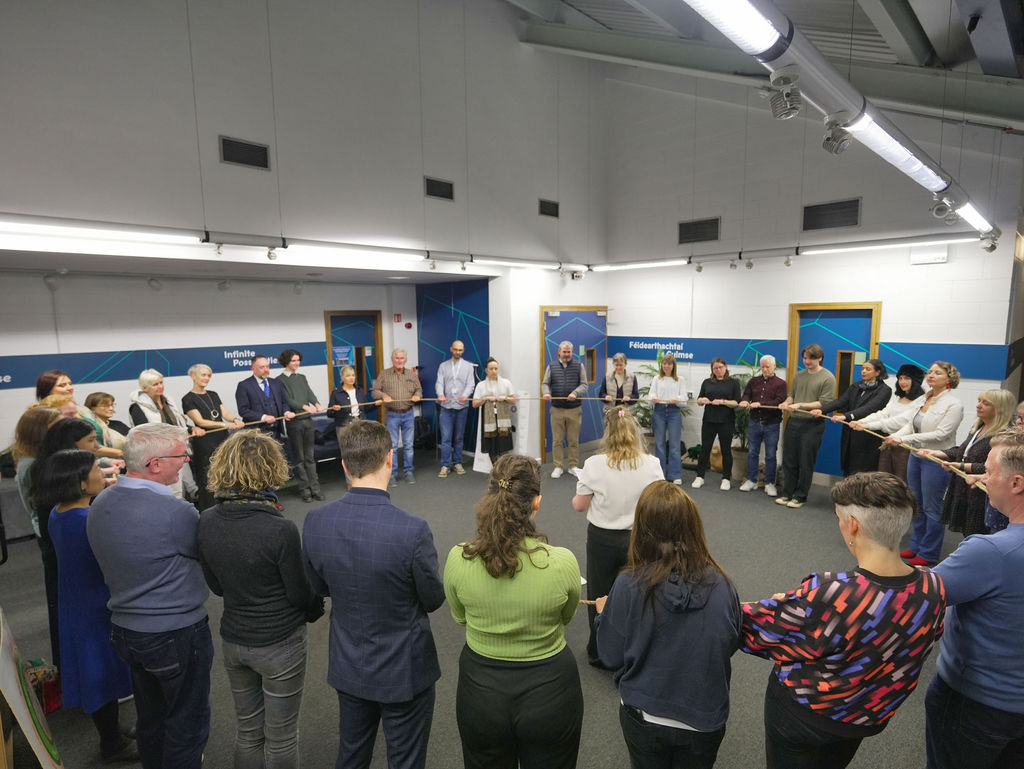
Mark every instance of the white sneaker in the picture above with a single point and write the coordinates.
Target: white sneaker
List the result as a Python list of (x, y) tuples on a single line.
[(574, 471), (678, 481), (556, 473), (697, 483), (748, 485), (770, 490), (725, 485)]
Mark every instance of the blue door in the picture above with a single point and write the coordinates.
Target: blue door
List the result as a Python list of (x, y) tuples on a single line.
[(847, 330), (587, 329)]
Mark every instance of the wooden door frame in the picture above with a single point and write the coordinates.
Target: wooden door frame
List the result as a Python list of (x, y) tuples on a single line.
[(793, 342), (378, 342), (544, 309)]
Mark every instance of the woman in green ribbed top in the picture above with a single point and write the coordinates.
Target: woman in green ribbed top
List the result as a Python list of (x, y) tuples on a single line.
[(519, 701)]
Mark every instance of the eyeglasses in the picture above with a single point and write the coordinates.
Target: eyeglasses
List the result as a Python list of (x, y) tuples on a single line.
[(187, 456)]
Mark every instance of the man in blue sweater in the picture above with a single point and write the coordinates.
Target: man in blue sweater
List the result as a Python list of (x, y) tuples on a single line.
[(975, 703), (144, 540)]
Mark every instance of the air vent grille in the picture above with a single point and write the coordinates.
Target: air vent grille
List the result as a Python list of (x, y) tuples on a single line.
[(438, 188), (700, 230), (548, 208), (243, 153), (826, 216)]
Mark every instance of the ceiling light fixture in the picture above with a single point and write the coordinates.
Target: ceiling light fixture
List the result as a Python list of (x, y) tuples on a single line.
[(639, 265), (749, 264), (879, 245), (498, 261), (732, 264), (700, 267)]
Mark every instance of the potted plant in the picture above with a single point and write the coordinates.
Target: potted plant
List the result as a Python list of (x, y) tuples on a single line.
[(741, 446)]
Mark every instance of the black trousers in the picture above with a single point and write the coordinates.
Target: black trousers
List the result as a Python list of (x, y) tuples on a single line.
[(708, 432), (607, 550), (789, 743), (525, 714), (800, 445)]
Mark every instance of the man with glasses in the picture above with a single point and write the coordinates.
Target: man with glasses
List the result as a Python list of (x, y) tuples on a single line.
[(144, 540)]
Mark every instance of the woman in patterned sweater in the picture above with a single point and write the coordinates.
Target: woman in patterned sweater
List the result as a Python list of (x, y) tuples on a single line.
[(847, 646)]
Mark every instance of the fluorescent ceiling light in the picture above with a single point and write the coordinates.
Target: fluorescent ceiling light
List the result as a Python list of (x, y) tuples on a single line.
[(739, 21), (970, 214), (498, 261), (92, 233), (875, 138), (639, 265), (879, 245)]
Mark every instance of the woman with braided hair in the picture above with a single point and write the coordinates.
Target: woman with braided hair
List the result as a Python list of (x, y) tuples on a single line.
[(519, 701)]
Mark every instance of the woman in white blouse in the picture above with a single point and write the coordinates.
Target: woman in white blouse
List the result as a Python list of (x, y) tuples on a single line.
[(494, 397), (608, 488), (932, 426), (667, 395)]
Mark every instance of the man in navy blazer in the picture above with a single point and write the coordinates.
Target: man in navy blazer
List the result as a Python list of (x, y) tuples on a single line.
[(379, 566), (260, 398)]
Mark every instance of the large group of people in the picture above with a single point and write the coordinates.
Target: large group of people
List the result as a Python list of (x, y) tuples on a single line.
[(129, 563)]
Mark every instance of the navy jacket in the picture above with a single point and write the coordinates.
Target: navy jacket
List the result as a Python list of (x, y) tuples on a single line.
[(379, 566), (253, 404)]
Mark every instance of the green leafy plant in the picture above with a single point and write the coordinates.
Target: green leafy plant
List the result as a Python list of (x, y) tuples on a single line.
[(742, 416)]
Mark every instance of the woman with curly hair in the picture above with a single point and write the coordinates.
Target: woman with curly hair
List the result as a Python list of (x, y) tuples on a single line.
[(251, 555), (519, 701), (668, 628), (932, 426), (607, 490)]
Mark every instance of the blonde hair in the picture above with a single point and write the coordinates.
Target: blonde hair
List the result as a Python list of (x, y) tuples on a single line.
[(621, 441), (671, 359), (1006, 406), (249, 461), (149, 377), (55, 401)]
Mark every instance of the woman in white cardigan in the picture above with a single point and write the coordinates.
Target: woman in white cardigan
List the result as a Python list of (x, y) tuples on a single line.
[(907, 397), (932, 426)]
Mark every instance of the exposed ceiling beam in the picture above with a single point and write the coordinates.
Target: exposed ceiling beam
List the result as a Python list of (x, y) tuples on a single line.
[(672, 15), (546, 10), (896, 22), (979, 98), (947, 36), (996, 35)]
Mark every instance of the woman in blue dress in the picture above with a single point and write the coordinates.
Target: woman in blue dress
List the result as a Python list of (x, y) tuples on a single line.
[(92, 676)]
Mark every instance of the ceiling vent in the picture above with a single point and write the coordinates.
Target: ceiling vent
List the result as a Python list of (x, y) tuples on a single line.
[(438, 188), (700, 230), (548, 208), (240, 153), (826, 216)]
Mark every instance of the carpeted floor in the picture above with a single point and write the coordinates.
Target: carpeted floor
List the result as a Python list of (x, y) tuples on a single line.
[(764, 548)]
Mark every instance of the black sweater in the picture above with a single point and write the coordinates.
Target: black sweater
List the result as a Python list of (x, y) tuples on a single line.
[(252, 556)]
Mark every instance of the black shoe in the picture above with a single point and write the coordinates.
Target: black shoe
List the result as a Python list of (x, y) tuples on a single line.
[(126, 750), (319, 497)]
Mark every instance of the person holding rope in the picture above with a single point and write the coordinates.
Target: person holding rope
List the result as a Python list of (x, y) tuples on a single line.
[(804, 432), (619, 386), (667, 394), (932, 426), (858, 452), (565, 382), (719, 395), (206, 410), (399, 388), (905, 400), (765, 424), (494, 396), (301, 432)]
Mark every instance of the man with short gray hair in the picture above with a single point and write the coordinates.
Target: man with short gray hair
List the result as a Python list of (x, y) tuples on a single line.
[(565, 382), (974, 708), (765, 424), (400, 390), (144, 540)]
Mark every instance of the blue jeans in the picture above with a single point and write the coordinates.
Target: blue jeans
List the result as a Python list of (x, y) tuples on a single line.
[(668, 419), (928, 481), (171, 677), (962, 732), (453, 430), (758, 433), (653, 746), (402, 423), (266, 683)]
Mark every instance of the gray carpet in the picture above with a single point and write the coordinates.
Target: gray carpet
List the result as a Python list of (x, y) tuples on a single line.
[(764, 548)]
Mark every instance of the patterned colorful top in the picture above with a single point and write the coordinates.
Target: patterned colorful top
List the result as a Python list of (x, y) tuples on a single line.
[(848, 647)]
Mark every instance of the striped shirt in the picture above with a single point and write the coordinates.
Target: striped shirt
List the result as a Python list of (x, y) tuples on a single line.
[(848, 646), (401, 386)]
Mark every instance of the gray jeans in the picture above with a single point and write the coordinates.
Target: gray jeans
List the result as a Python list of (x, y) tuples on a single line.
[(266, 682)]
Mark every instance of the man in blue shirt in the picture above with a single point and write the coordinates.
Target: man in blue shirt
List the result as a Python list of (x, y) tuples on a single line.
[(975, 703), (455, 382)]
